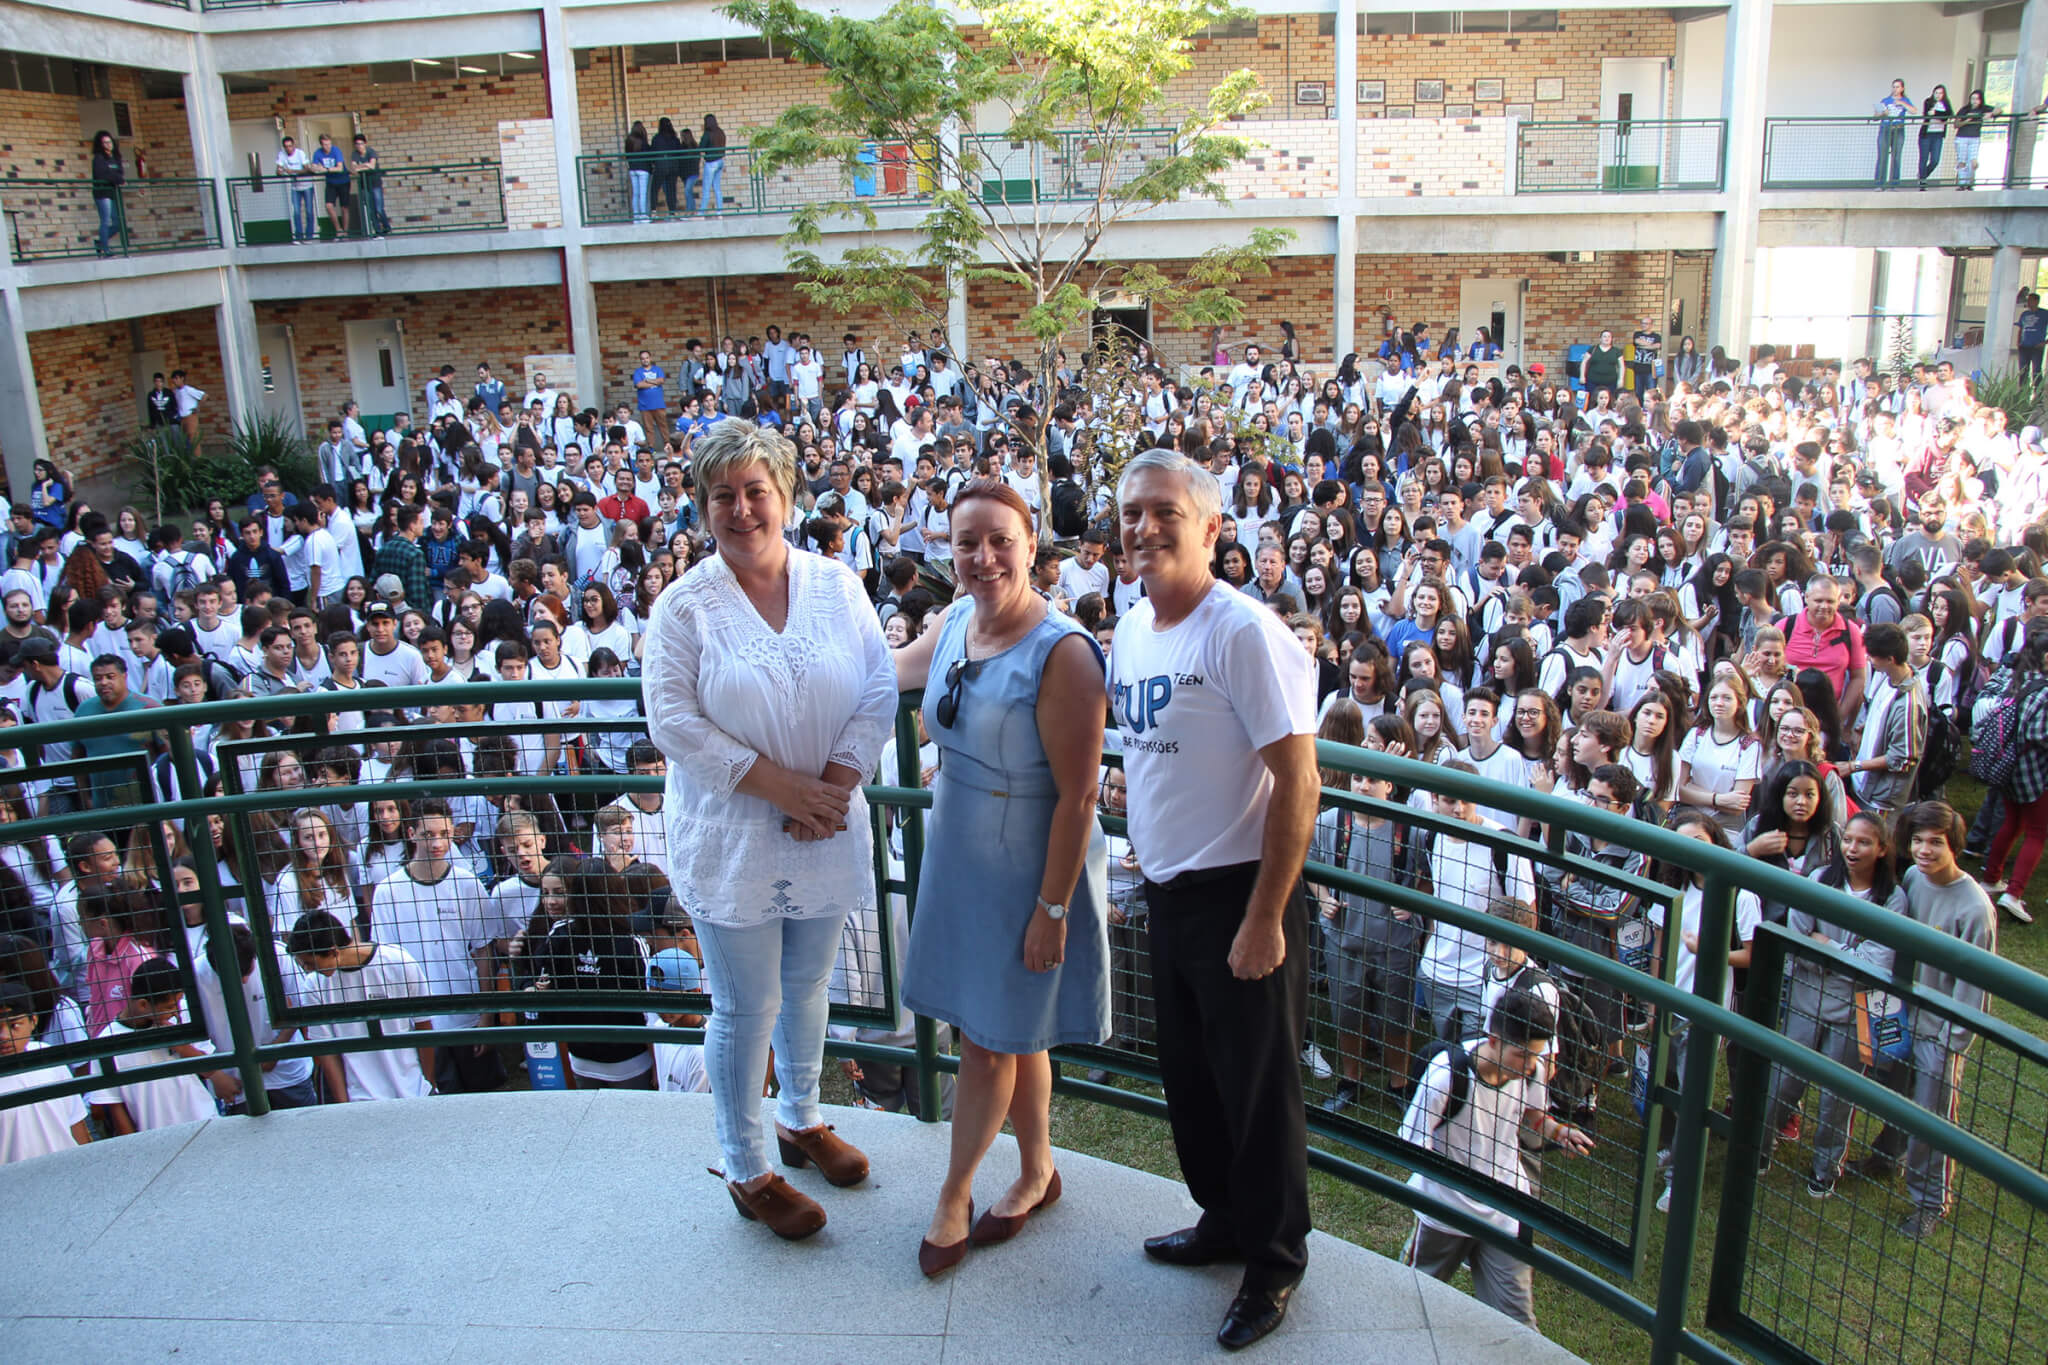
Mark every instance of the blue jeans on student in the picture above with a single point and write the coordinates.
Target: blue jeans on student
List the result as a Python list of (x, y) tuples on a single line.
[(110, 217), (1930, 153), (373, 208), (643, 183), (767, 984), (1891, 143), (714, 173), (305, 218)]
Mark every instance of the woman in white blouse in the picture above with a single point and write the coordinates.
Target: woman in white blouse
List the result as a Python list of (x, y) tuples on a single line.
[(770, 691)]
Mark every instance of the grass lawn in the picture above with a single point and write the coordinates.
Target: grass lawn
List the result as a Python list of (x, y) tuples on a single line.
[(1833, 1275)]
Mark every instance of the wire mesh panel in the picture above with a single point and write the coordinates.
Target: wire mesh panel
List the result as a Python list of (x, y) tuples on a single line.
[(1869, 1244), (50, 219), (1614, 157), (1869, 153)]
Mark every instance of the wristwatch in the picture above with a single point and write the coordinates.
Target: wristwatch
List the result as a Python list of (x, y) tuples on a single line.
[(1054, 912)]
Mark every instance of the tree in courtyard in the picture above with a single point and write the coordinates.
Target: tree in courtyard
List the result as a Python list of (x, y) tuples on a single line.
[(1091, 140)]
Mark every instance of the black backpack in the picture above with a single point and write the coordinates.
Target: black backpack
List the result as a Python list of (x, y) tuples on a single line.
[(1948, 742), (1580, 1050), (1069, 509)]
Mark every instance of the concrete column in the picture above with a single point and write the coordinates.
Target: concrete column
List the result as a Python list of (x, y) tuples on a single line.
[(1743, 63), (206, 106), (1344, 275), (2001, 310), (22, 438), (581, 298), (2026, 84)]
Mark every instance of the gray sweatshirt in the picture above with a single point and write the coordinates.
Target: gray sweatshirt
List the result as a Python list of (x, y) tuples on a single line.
[(1962, 910), (1902, 739)]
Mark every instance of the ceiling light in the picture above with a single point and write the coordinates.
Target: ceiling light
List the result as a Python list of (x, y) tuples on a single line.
[(425, 61), (522, 56), (473, 70)]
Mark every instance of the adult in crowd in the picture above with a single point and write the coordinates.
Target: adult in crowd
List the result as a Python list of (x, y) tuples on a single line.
[(1822, 637), (1212, 693), (1011, 941), (770, 692)]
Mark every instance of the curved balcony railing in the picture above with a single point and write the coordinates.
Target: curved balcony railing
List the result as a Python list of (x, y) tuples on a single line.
[(58, 219), (398, 201), (1868, 154), (1744, 1264)]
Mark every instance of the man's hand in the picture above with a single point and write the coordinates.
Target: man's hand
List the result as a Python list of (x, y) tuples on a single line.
[(1258, 950)]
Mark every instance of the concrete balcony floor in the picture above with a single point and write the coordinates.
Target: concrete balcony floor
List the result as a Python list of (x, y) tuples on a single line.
[(581, 1226)]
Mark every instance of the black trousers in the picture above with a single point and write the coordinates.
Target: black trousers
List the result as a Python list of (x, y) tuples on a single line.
[(1229, 1053)]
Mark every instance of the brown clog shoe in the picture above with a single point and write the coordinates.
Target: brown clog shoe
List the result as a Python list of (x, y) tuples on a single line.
[(838, 1160), (788, 1212)]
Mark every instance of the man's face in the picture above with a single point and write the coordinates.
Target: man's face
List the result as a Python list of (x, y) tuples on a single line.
[(431, 837), (343, 656), (20, 611), (382, 629), (1160, 527), (1271, 565), (1088, 554), (110, 684), (278, 654), (305, 631)]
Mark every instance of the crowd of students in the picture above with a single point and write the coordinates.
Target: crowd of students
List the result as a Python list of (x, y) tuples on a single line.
[(1764, 607)]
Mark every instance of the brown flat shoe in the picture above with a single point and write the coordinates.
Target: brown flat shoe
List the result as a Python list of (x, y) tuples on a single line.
[(838, 1160), (933, 1259), (788, 1212), (994, 1227)]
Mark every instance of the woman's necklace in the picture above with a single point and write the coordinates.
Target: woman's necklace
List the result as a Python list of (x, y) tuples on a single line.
[(980, 646)]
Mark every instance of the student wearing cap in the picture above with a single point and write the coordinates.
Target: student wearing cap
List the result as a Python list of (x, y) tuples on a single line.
[(386, 658), (678, 1066)]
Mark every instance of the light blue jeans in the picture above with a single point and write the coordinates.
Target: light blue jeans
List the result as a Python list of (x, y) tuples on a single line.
[(305, 218), (109, 211), (767, 984), (713, 173), (642, 182)]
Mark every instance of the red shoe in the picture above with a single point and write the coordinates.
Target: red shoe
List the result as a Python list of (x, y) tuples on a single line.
[(1790, 1132), (934, 1259), (994, 1227)]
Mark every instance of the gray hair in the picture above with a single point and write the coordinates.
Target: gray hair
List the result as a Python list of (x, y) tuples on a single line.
[(734, 444), (1204, 491)]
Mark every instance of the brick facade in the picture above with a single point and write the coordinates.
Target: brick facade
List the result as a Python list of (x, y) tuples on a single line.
[(1565, 303), (40, 137), (1289, 159), (91, 408), (1574, 53), (427, 124), (1411, 158), (440, 329), (1289, 49)]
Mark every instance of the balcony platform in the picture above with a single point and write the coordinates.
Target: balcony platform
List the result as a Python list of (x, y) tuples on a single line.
[(581, 1226)]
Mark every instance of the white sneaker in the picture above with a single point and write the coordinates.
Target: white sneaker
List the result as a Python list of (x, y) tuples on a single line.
[(1664, 1200), (2017, 908), (1319, 1066)]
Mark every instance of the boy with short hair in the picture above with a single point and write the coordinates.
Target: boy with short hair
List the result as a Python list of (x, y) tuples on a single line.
[(45, 1126), (1474, 1099), (341, 969), (155, 998)]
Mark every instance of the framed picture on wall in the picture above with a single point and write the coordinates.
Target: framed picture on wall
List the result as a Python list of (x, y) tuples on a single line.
[(1372, 92), (1457, 111), (1486, 90), (1430, 92), (1549, 88), (1521, 111), (1400, 111), (1311, 93)]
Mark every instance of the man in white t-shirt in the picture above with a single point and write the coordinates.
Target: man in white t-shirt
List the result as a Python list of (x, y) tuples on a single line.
[(155, 999), (48, 1125), (1085, 572), (293, 164), (1214, 701), (436, 910), (317, 558), (340, 970), (807, 377), (1467, 872), (388, 659)]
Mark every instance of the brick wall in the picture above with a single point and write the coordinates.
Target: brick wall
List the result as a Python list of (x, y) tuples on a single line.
[(533, 180), (1409, 158), (40, 136), (85, 387), (1565, 303), (1573, 52), (433, 123), (1287, 50), (598, 102), (440, 329), (1292, 159)]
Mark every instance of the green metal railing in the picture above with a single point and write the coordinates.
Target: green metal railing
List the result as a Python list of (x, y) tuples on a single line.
[(1786, 1278), (398, 201), (56, 219), (1867, 154), (1633, 156)]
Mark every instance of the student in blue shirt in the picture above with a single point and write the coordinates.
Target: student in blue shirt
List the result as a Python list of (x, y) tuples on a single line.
[(328, 160), (1892, 112), (647, 382), (2033, 335)]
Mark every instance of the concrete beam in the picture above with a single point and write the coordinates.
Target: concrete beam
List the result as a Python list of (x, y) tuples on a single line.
[(1971, 228), (2001, 306), (113, 297), (22, 438), (324, 36), (1732, 291), (134, 31), (499, 266)]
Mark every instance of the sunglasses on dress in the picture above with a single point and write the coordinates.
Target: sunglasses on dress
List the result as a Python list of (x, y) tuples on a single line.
[(948, 709)]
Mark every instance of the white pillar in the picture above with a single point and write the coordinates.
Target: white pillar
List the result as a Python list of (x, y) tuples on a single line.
[(241, 361), (568, 125), (1344, 259), (21, 412), (2026, 84), (1744, 62)]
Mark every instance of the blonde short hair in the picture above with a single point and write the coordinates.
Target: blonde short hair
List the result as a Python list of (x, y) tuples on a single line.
[(735, 443)]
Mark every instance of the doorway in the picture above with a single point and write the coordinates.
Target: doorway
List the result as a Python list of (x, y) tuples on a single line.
[(1686, 312), (376, 371), (1114, 328), (1631, 91), (279, 371), (1495, 305), (143, 367)]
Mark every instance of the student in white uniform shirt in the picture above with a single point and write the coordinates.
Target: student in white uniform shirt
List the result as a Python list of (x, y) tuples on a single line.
[(436, 909), (340, 970), (155, 999), (1085, 572), (48, 1125)]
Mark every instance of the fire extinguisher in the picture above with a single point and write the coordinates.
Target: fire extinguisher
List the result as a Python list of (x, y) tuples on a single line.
[(141, 165)]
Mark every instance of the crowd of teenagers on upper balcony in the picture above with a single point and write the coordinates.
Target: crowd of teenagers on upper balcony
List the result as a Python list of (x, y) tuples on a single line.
[(1768, 602)]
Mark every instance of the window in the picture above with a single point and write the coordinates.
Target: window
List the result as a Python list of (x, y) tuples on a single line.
[(390, 73), (652, 54), (1484, 21), (1437, 21), (1533, 21), (747, 49), (1236, 28), (708, 50), (1376, 24), (1402, 23)]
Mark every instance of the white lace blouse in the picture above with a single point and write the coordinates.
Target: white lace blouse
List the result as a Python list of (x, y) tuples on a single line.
[(721, 688)]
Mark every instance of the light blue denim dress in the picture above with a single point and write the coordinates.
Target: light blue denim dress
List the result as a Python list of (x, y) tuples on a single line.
[(984, 858)]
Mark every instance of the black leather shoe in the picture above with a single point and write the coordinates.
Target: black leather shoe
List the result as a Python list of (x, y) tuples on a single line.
[(1253, 1314), (1187, 1247)]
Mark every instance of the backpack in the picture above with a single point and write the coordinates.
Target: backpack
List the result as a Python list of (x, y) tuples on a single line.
[(1947, 744), (1996, 736), (1863, 607), (1069, 509), (176, 575), (236, 676), (1580, 1049)]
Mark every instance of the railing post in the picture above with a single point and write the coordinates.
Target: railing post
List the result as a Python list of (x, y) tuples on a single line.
[(1751, 1091), (121, 216), (220, 947), (1689, 1150), (910, 773)]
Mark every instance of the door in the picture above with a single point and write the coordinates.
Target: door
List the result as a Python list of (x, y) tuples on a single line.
[(1115, 325), (1631, 89), (143, 367), (279, 370), (1495, 305), (263, 208), (376, 371), (1686, 317)]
